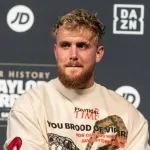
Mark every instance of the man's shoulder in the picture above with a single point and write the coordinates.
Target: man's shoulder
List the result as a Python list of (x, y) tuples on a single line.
[(111, 95), (35, 96), (40, 90), (117, 103)]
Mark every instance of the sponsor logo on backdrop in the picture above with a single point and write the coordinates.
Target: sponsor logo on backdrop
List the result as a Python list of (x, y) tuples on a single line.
[(20, 18), (128, 19), (129, 93), (15, 80)]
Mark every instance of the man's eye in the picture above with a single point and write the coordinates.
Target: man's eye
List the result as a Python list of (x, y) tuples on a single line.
[(82, 46), (65, 45)]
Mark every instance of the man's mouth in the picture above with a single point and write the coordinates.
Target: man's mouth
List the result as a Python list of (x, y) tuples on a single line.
[(73, 65)]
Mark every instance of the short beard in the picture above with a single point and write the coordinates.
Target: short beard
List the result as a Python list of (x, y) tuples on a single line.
[(78, 81)]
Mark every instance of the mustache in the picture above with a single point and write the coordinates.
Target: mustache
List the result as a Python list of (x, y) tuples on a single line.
[(73, 64)]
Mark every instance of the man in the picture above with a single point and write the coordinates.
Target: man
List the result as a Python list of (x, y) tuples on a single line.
[(72, 112)]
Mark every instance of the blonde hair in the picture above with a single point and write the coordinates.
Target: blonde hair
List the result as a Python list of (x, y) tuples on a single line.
[(78, 19)]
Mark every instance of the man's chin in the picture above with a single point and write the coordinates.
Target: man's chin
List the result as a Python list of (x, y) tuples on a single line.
[(75, 78), (72, 74), (72, 78), (71, 81)]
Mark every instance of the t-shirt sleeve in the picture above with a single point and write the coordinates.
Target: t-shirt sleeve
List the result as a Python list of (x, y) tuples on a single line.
[(23, 129), (138, 131)]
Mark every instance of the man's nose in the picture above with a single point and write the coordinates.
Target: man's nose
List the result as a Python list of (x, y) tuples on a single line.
[(74, 53)]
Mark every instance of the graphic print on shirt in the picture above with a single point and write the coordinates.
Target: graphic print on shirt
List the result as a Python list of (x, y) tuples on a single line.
[(16, 143), (114, 124), (110, 132), (91, 114), (60, 142)]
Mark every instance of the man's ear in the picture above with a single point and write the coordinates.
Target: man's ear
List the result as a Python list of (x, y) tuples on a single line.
[(99, 53), (55, 51)]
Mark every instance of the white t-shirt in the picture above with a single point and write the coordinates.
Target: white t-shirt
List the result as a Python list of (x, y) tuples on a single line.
[(52, 117)]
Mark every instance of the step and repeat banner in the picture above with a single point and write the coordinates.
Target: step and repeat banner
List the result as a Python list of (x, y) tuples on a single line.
[(26, 49)]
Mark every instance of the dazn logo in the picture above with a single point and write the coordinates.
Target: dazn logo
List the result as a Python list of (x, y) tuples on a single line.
[(128, 19)]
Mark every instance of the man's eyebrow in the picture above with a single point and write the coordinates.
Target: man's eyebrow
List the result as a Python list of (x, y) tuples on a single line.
[(86, 43), (62, 42)]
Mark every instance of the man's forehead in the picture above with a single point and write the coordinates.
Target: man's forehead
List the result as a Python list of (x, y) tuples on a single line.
[(85, 33)]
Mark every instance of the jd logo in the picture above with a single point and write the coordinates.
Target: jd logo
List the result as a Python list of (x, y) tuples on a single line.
[(128, 19), (129, 93), (20, 18)]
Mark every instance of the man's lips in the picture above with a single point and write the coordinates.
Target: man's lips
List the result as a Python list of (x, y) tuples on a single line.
[(73, 65)]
